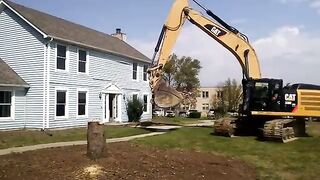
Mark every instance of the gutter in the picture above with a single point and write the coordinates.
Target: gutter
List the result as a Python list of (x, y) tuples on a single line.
[(15, 85), (97, 48)]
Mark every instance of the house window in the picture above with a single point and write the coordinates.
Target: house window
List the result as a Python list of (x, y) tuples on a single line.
[(219, 94), (61, 57), (205, 94), (82, 103), (61, 103), (82, 64), (5, 104), (185, 107), (145, 103), (135, 70), (145, 74), (205, 106), (134, 96)]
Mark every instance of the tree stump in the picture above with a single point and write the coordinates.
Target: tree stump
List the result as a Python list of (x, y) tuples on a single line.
[(96, 140)]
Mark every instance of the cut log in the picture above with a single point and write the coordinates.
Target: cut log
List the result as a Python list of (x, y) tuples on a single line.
[(96, 140)]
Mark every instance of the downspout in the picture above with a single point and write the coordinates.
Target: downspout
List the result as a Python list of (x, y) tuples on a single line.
[(48, 80), (44, 86), (25, 110)]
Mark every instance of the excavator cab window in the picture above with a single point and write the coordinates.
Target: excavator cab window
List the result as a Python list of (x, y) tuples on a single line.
[(264, 94), (260, 96)]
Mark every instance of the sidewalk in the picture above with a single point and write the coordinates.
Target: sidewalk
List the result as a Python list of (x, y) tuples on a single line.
[(202, 123), (71, 143)]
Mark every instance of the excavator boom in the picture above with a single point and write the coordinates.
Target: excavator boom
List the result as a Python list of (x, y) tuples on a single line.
[(235, 42), (268, 106)]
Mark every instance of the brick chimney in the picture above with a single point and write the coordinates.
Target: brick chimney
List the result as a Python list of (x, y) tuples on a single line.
[(120, 35)]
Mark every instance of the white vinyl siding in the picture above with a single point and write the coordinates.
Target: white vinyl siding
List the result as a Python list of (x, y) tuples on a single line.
[(22, 49)]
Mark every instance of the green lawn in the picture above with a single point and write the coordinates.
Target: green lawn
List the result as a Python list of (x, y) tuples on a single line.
[(25, 137), (299, 159), (175, 120)]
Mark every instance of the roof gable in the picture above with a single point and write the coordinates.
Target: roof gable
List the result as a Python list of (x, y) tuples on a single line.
[(8, 77), (67, 31)]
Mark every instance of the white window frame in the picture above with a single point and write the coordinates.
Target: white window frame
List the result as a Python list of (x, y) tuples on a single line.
[(12, 108), (87, 102), (137, 72), (66, 116), (67, 58), (148, 100), (145, 73), (87, 61)]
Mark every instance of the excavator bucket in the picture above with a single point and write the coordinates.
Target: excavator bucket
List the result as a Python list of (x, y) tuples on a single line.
[(165, 95)]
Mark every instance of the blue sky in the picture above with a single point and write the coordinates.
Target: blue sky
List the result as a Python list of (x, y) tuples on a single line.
[(277, 29)]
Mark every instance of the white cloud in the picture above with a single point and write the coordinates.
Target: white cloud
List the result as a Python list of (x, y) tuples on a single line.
[(290, 54), (287, 53), (316, 5)]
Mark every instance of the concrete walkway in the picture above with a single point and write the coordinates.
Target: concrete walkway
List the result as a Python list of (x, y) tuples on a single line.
[(202, 123), (160, 128), (71, 143)]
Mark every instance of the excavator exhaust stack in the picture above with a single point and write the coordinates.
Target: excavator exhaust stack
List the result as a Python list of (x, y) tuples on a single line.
[(166, 96)]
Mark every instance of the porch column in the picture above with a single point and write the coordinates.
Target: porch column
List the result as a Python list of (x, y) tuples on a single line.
[(119, 98)]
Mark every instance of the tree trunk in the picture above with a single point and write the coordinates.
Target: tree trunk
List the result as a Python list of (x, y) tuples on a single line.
[(96, 140)]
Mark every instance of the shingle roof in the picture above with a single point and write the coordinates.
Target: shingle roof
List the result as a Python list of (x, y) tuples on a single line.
[(61, 29), (8, 77)]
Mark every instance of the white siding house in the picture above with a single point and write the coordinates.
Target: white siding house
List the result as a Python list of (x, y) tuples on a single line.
[(67, 73)]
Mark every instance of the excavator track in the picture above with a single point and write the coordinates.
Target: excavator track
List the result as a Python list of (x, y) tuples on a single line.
[(279, 130), (225, 127)]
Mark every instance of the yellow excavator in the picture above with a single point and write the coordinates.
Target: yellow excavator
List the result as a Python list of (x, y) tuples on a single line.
[(269, 109)]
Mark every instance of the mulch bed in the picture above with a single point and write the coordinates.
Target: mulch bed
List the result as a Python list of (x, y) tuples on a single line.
[(122, 161)]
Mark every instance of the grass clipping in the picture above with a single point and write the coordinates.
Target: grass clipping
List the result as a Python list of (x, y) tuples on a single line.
[(92, 171)]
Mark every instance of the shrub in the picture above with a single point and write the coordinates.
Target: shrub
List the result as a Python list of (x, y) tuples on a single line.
[(194, 115), (134, 110), (220, 112)]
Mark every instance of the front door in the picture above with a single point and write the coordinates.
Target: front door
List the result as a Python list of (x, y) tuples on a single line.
[(110, 107)]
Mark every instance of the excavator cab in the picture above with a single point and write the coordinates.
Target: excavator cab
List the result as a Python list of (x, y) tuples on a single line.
[(262, 95)]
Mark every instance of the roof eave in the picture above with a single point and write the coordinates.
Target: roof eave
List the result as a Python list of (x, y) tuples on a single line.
[(15, 85), (97, 48)]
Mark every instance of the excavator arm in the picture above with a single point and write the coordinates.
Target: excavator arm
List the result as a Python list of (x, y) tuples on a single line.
[(230, 38)]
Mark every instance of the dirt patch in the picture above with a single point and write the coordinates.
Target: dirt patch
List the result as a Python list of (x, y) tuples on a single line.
[(122, 161)]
